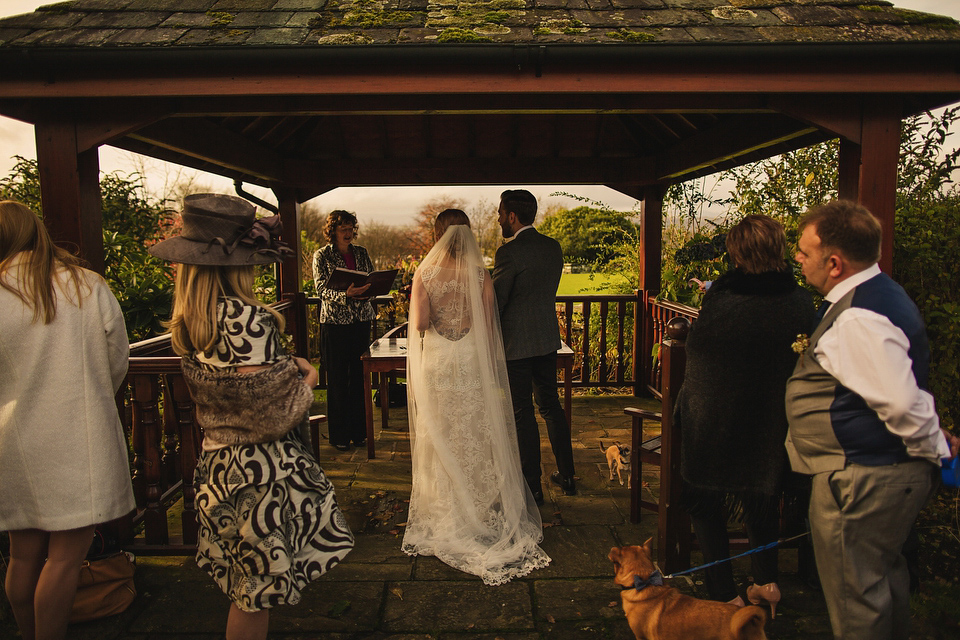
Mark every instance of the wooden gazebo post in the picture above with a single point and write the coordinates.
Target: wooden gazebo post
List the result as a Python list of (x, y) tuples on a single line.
[(70, 190)]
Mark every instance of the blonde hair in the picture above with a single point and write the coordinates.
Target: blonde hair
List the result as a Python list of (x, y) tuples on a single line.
[(22, 231), (193, 325)]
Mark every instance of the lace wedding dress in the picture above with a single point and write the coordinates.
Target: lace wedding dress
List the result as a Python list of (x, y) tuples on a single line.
[(469, 506)]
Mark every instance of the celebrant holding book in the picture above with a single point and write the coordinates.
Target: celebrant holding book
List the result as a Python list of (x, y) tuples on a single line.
[(345, 317)]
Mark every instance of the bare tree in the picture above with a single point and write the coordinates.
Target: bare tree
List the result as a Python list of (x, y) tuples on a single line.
[(420, 235), (387, 244), (483, 219)]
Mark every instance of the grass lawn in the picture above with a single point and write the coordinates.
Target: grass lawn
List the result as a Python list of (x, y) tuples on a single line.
[(572, 284)]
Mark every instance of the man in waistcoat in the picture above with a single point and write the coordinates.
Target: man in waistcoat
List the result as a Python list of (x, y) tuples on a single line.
[(526, 275), (862, 423)]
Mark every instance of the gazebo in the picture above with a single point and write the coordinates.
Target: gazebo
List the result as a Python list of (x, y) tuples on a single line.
[(303, 96)]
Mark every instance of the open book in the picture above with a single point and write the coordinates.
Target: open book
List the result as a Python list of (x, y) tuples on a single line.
[(380, 281)]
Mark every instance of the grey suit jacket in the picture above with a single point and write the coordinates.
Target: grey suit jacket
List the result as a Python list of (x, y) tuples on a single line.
[(526, 275)]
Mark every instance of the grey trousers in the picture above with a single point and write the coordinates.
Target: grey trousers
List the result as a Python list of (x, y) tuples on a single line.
[(859, 518)]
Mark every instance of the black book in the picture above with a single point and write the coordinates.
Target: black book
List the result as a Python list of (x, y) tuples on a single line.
[(380, 281)]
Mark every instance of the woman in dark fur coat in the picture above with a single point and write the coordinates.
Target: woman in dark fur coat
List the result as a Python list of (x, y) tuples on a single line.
[(731, 406)]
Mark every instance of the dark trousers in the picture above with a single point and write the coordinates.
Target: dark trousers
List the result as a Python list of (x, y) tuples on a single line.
[(708, 514), (536, 379), (341, 346)]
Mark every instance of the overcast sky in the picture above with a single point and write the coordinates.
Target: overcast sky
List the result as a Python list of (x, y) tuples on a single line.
[(392, 205)]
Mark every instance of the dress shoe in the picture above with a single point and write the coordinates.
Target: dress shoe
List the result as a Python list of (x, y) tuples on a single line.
[(362, 442), (342, 447), (768, 593), (568, 485)]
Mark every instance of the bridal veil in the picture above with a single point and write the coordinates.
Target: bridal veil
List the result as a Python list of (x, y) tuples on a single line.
[(469, 505)]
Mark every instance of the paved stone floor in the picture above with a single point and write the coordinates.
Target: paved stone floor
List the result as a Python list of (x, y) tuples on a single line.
[(380, 593)]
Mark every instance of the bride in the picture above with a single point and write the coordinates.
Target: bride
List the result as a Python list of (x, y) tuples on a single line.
[(469, 505)]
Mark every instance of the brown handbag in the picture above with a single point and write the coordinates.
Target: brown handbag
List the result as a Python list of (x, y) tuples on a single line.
[(106, 587)]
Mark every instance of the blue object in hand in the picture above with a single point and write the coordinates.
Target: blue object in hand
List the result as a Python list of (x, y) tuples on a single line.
[(950, 471)]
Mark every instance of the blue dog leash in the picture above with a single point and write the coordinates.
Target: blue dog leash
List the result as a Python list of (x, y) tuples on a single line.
[(716, 562)]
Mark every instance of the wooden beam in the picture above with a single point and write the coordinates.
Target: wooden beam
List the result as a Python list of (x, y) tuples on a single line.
[(208, 142), (289, 280), (848, 169), (628, 78), (651, 229), (70, 191), (880, 156), (725, 142), (840, 115), (94, 133), (462, 171)]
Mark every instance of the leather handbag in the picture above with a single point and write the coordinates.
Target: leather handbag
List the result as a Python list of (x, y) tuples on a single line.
[(106, 587)]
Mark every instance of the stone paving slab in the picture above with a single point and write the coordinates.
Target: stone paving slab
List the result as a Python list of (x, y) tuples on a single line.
[(438, 606)]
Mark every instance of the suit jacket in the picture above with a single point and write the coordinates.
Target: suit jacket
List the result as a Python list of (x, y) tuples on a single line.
[(526, 275)]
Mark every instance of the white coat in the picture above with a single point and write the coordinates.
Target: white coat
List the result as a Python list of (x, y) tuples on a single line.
[(63, 455)]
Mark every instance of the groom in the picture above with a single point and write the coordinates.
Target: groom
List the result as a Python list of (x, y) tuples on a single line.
[(525, 276)]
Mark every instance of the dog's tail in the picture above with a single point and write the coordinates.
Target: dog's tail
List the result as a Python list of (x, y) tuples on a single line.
[(748, 622), (602, 448)]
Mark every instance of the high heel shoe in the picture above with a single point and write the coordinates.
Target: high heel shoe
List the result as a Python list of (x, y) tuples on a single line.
[(769, 593), (738, 601)]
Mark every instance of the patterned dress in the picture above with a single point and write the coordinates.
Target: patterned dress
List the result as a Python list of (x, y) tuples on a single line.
[(268, 516)]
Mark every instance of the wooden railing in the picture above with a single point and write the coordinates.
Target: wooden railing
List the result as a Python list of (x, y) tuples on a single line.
[(653, 325), (600, 331)]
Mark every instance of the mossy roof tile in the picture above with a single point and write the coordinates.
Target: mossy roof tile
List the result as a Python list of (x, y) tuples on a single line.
[(282, 23)]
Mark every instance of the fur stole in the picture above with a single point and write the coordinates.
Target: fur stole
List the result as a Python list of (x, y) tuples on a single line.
[(248, 408)]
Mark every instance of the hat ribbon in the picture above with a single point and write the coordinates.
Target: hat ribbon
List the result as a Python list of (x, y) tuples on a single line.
[(263, 236)]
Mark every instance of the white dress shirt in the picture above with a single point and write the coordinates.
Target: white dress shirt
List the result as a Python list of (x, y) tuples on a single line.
[(867, 354)]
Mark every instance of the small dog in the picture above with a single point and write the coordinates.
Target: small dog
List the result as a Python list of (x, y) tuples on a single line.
[(656, 612), (618, 459)]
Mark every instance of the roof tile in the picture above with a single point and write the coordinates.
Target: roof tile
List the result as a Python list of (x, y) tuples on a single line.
[(220, 37), (809, 15), (300, 5), (561, 4), (44, 20), (280, 36), (247, 19), (170, 5), (243, 5), (725, 34), (123, 19), (158, 36), (12, 34)]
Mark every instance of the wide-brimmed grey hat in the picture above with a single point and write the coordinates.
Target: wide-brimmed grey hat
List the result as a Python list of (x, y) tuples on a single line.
[(220, 229)]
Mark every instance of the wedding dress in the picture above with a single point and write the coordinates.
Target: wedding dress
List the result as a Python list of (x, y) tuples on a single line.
[(469, 505)]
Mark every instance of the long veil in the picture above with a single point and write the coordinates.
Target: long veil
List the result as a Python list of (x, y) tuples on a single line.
[(469, 505)]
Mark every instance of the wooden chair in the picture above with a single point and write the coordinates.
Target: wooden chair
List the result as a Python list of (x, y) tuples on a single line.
[(673, 525)]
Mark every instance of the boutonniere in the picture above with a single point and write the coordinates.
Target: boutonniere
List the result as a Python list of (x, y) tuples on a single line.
[(801, 343)]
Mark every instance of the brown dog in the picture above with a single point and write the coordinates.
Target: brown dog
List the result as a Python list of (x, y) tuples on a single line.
[(655, 612), (618, 459)]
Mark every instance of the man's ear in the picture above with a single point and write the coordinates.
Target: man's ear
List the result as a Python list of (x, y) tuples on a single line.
[(837, 266)]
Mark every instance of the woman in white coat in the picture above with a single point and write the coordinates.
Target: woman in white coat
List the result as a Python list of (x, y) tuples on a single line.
[(63, 456)]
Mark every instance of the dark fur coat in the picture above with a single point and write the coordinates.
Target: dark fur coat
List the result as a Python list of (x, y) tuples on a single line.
[(246, 408), (739, 356)]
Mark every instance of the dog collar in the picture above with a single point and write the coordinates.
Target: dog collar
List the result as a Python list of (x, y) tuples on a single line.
[(655, 579)]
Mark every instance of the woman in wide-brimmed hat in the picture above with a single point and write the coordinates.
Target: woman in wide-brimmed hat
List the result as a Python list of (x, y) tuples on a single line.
[(268, 517)]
